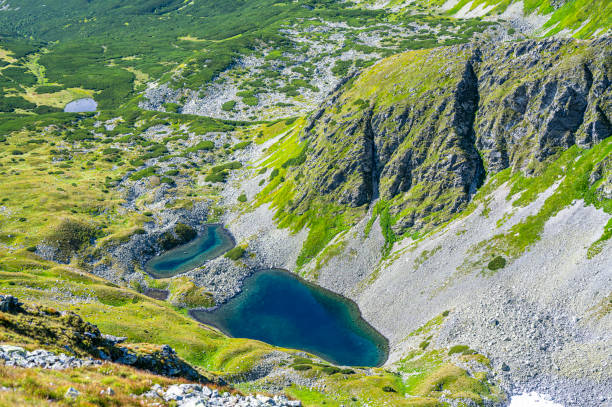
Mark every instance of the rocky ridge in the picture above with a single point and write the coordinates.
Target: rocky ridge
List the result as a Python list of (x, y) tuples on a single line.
[(422, 139), (66, 331)]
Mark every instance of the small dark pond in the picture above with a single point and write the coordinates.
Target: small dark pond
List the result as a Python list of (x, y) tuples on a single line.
[(213, 242), (279, 308), (156, 293)]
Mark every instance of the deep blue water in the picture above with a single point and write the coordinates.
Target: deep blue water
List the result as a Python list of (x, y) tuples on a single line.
[(213, 242), (81, 105), (278, 308)]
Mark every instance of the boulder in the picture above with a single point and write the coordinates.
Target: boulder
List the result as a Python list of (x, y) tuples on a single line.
[(72, 393), (9, 349), (10, 304)]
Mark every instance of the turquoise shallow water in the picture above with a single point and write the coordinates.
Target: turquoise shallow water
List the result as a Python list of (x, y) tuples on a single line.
[(277, 307), (213, 242)]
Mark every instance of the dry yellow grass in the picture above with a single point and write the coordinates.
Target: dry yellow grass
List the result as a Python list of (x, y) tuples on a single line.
[(56, 99), (38, 387), (5, 55)]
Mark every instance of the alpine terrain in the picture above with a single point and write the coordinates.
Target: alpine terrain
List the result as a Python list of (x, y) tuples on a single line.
[(306, 203)]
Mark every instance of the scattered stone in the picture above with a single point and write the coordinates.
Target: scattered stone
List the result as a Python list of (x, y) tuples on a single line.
[(195, 395), (18, 357), (114, 339), (72, 393)]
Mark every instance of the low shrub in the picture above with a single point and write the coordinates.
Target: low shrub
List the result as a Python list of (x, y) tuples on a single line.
[(216, 177), (228, 106), (167, 241), (462, 349), (250, 100), (302, 367), (155, 151), (331, 370), (297, 160), (274, 173), (147, 172), (235, 253), (241, 145), (201, 146), (172, 107), (181, 234), (242, 198), (48, 89), (227, 166), (185, 232), (497, 263)]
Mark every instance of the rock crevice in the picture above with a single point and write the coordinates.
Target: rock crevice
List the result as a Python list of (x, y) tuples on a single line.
[(426, 147)]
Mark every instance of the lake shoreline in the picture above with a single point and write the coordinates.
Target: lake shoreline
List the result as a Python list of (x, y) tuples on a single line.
[(382, 342), (198, 258)]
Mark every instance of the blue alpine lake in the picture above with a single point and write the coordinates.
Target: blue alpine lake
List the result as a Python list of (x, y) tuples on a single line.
[(213, 242), (279, 308), (81, 105)]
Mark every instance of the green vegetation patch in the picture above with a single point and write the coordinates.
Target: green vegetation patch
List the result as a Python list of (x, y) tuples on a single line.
[(204, 145), (147, 172), (497, 263), (236, 253)]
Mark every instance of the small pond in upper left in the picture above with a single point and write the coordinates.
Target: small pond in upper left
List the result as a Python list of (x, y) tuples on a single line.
[(213, 242), (81, 105)]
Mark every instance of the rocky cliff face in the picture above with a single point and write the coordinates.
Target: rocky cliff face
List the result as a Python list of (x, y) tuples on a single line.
[(421, 130)]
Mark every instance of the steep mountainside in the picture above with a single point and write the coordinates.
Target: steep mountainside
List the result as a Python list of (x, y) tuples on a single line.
[(420, 131)]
